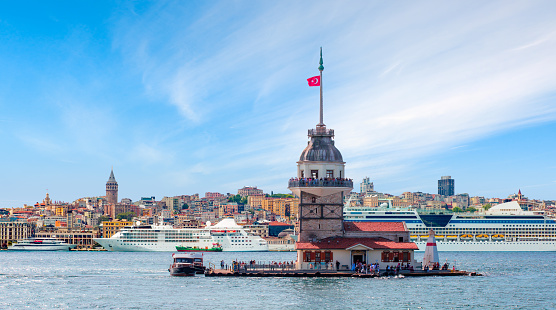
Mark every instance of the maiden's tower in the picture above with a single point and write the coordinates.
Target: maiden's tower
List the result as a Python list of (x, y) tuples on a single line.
[(324, 240), (320, 183)]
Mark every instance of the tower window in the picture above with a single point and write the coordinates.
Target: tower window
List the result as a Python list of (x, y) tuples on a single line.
[(302, 174), (314, 174), (330, 173)]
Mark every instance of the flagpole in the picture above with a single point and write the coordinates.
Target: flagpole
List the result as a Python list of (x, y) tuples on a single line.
[(321, 67)]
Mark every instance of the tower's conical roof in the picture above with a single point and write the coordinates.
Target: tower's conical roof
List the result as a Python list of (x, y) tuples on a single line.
[(111, 178)]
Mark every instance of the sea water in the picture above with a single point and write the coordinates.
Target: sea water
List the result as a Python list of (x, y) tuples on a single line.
[(140, 280)]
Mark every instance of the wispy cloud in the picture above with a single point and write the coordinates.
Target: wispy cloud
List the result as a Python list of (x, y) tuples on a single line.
[(211, 96), (401, 81)]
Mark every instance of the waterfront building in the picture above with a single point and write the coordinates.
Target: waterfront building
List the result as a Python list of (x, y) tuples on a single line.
[(12, 229), (82, 238), (387, 243), (112, 189), (109, 228), (284, 242), (446, 186)]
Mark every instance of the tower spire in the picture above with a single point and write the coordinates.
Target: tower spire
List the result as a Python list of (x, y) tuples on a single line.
[(321, 67)]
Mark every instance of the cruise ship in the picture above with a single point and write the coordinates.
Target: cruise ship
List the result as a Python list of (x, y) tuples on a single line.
[(227, 233), (504, 227)]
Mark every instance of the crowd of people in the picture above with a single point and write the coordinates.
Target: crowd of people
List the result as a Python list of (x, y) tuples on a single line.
[(374, 268), (254, 265), (358, 267), (334, 182), (436, 266)]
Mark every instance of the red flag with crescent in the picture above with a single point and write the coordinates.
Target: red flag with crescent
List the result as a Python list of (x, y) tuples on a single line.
[(314, 81)]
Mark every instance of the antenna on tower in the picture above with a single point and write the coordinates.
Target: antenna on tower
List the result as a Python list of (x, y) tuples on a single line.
[(321, 68)]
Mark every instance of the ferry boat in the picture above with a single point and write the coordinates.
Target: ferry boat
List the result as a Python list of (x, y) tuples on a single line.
[(227, 233), (41, 244), (504, 227), (186, 264)]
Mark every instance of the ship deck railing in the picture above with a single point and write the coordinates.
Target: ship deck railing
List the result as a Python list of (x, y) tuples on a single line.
[(259, 267), (320, 183)]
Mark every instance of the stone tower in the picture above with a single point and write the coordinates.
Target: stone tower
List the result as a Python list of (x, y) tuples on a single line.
[(112, 189), (320, 184)]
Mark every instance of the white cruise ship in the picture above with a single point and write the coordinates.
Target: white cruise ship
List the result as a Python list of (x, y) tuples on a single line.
[(41, 244), (504, 227), (227, 233)]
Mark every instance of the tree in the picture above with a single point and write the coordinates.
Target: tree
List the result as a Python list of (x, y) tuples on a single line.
[(126, 216), (487, 206), (471, 209), (457, 209), (102, 218), (236, 199), (281, 196), (185, 206)]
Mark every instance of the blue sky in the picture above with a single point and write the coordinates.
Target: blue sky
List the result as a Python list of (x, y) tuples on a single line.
[(193, 96)]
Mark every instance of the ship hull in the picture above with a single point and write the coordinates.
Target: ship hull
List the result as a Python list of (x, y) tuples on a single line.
[(116, 245), (58, 247), (183, 271)]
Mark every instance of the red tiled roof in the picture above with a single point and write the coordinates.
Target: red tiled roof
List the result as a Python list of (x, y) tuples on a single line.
[(344, 243), (374, 226)]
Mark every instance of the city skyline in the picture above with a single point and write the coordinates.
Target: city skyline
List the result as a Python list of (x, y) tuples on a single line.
[(195, 97)]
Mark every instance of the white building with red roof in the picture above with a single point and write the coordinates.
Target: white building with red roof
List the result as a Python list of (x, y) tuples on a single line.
[(386, 243)]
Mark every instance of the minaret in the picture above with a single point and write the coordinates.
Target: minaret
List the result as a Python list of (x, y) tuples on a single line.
[(112, 189), (320, 183)]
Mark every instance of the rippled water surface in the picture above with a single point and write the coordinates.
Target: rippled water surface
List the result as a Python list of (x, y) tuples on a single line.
[(115, 280)]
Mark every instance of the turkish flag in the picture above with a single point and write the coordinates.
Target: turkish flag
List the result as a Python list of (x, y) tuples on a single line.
[(314, 81)]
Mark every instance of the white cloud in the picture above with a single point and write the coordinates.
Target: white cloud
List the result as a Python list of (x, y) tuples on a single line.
[(402, 80)]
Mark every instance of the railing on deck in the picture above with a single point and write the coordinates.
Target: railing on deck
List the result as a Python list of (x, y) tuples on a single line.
[(260, 266), (321, 183), (321, 132)]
